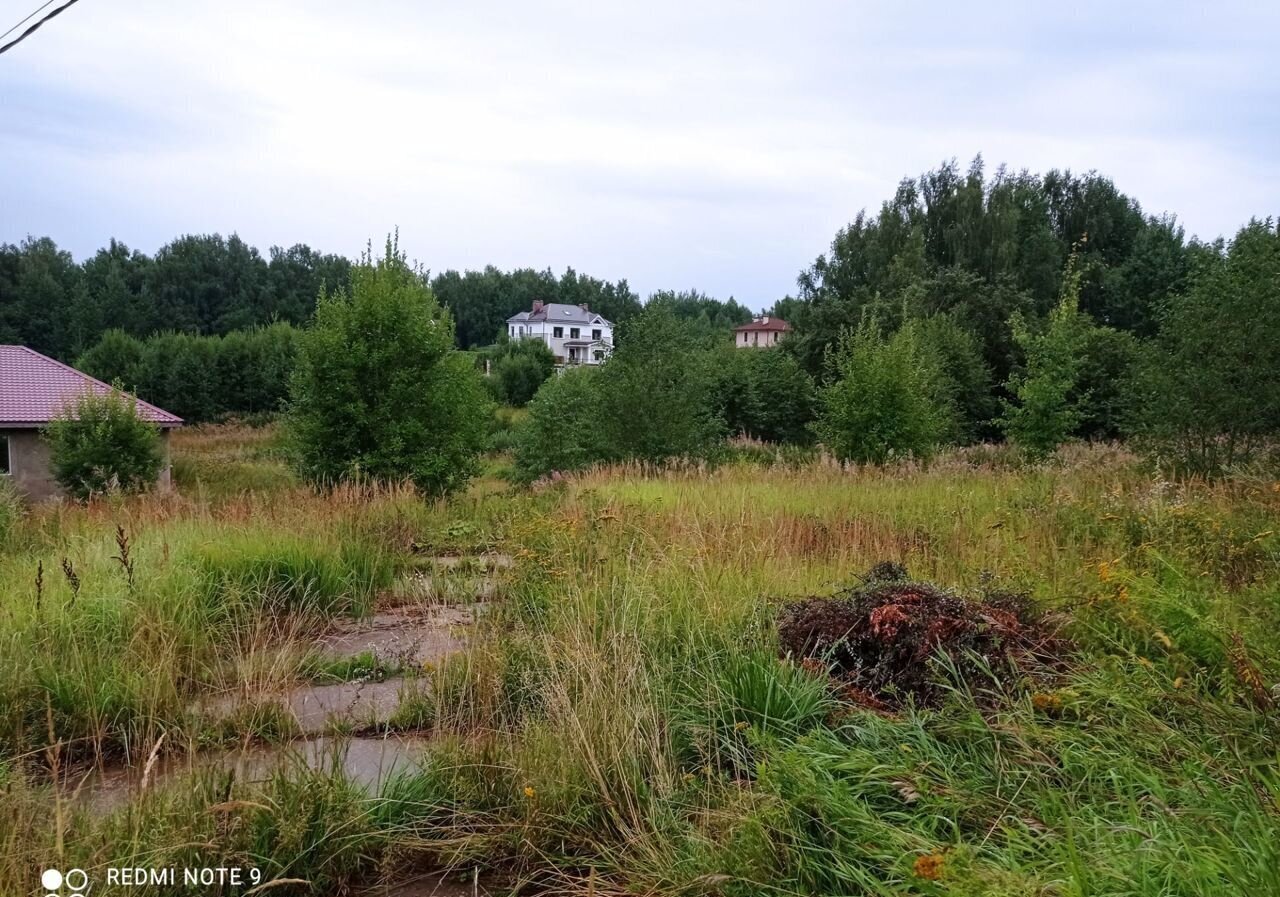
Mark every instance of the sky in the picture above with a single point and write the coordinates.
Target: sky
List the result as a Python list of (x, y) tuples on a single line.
[(707, 144)]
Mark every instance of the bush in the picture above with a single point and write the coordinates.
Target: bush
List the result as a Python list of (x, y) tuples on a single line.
[(1048, 407), (100, 445), (959, 355), (888, 397), (379, 389), (766, 395), (519, 368), (564, 431), (656, 400), (1206, 396)]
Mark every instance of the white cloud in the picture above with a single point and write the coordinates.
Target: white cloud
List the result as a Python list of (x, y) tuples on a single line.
[(716, 145)]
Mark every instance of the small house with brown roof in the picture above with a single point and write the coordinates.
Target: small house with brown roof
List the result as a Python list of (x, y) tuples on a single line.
[(35, 390), (763, 332)]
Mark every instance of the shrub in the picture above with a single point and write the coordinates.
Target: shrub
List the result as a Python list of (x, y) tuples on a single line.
[(379, 390), (888, 397), (766, 395), (656, 391), (959, 355), (1047, 406), (564, 430), (200, 377), (99, 444), (1206, 396), (519, 368)]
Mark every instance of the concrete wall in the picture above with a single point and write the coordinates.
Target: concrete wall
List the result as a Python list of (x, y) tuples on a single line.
[(32, 475), (758, 339)]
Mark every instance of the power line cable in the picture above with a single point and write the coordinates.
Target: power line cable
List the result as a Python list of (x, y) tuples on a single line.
[(47, 3), (24, 35)]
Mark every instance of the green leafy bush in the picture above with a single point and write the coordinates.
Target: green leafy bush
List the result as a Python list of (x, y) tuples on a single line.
[(1047, 407), (379, 389), (1206, 395), (563, 431), (888, 397), (99, 445), (656, 391), (766, 395), (519, 367)]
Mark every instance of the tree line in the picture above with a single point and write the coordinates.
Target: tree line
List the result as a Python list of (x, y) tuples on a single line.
[(196, 284), (1037, 308), (1031, 308)]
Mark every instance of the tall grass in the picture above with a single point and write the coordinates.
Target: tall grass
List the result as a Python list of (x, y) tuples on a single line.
[(622, 722)]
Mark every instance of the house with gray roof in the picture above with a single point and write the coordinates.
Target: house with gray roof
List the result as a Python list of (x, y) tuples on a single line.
[(574, 333), (35, 390)]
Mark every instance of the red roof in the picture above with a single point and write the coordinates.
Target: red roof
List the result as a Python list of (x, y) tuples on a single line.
[(35, 389), (767, 322)]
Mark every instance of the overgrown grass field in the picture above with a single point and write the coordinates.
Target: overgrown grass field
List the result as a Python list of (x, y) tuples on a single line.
[(623, 720)]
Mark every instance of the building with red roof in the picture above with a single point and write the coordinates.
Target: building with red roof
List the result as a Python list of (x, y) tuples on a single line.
[(763, 332), (36, 389)]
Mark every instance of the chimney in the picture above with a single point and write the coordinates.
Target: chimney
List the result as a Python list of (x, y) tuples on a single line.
[(584, 307), (764, 320), (537, 306)]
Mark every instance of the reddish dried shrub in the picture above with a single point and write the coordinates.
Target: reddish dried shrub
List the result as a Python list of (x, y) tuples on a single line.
[(880, 638)]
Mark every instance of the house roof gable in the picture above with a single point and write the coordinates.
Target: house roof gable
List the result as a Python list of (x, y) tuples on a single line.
[(560, 313), (35, 389), (769, 323)]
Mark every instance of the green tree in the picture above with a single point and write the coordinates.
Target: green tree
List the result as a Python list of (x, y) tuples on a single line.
[(656, 389), (519, 367), (100, 445), (1206, 395), (764, 394), (959, 355), (563, 431), (379, 390), (1047, 407), (117, 356), (888, 397)]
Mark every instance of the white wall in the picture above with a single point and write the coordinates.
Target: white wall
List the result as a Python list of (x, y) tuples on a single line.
[(545, 331)]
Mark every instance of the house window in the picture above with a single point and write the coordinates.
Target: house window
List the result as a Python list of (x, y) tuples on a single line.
[(599, 355), (4, 455), (573, 332), (595, 334), (522, 331), (557, 332)]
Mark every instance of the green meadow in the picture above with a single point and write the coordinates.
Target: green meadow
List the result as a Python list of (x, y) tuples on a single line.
[(622, 719)]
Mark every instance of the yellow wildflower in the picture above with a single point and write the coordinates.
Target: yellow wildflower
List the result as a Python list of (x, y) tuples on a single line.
[(529, 792)]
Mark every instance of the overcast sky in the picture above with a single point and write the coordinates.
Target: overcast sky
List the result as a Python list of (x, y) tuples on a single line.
[(716, 145)]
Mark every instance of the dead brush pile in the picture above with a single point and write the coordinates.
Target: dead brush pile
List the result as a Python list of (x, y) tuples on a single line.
[(890, 641)]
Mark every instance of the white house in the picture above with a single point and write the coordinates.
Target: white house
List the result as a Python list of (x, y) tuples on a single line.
[(573, 333), (762, 333)]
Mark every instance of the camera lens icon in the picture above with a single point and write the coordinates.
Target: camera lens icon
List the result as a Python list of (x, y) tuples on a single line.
[(76, 880)]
